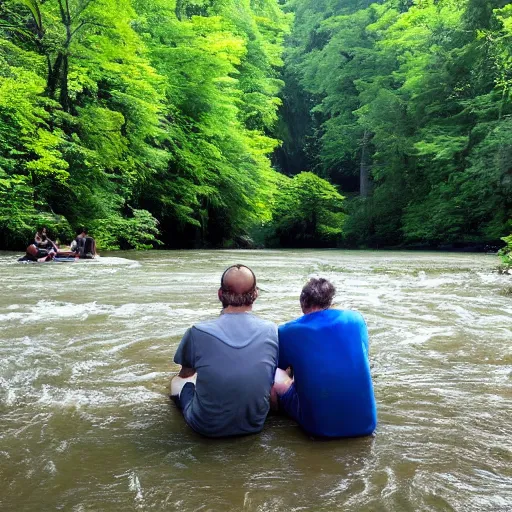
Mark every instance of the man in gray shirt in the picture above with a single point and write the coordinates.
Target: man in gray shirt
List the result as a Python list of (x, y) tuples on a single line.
[(228, 363)]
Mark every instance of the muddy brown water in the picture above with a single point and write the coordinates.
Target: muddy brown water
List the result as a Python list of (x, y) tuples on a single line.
[(86, 355)]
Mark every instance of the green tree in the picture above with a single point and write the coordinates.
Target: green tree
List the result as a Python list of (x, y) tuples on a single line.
[(308, 212), (123, 112), (220, 93), (415, 98)]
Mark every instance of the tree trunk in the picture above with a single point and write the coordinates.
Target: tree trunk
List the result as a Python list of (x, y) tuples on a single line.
[(178, 8), (53, 76), (364, 168), (64, 96), (58, 73)]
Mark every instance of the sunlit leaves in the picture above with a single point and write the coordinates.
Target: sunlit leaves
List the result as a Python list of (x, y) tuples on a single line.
[(308, 211), (430, 82)]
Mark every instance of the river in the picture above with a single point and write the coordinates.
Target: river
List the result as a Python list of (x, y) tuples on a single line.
[(86, 356)]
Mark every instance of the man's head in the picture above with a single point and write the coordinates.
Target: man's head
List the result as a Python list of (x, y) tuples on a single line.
[(81, 232), (238, 287), (316, 295)]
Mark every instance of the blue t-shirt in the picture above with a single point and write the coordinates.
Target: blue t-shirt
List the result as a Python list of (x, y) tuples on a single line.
[(328, 351), (235, 356)]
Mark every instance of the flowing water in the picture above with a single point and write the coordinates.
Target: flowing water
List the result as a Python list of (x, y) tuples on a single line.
[(86, 355)]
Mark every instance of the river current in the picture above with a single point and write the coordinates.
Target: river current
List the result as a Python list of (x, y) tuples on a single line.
[(86, 354)]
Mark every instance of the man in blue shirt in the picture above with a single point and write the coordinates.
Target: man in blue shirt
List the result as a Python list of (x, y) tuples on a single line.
[(228, 363), (331, 393)]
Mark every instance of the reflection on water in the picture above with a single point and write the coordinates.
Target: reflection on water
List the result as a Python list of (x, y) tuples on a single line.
[(86, 354)]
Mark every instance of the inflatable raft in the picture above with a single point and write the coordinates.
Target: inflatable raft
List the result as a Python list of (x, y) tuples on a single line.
[(35, 255)]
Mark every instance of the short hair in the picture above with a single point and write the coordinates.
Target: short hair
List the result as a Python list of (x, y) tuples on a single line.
[(231, 298), (317, 293), (79, 231)]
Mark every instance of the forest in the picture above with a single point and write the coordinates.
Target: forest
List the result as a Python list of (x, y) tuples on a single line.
[(257, 123)]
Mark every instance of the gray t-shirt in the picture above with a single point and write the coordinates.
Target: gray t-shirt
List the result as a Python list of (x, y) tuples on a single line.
[(235, 356)]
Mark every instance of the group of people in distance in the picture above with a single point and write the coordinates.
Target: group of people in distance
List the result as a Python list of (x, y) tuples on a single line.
[(45, 249), (315, 369)]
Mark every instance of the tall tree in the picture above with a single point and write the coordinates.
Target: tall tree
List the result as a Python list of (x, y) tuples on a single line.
[(415, 97)]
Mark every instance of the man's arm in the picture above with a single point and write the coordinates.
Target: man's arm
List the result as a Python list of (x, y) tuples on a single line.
[(185, 355), (363, 333), (283, 360), (186, 372)]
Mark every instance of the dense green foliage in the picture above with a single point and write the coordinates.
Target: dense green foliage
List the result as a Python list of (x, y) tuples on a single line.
[(158, 122), (138, 118), (414, 98), (506, 252), (307, 212)]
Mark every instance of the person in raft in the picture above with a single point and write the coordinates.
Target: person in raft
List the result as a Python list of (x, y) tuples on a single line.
[(43, 249), (84, 246), (41, 241), (331, 391), (228, 363), (38, 237)]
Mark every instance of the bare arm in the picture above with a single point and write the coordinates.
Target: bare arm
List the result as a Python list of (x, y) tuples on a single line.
[(178, 381), (186, 372)]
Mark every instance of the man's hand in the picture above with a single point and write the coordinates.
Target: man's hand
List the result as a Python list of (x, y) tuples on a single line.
[(179, 381), (282, 382), (186, 372)]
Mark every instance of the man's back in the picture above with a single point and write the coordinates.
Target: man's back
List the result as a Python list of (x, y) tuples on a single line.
[(235, 357), (86, 246), (328, 351)]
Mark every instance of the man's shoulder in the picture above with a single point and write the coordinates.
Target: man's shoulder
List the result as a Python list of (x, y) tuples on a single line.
[(262, 321), (239, 326), (204, 324), (239, 318), (350, 316), (290, 323), (346, 316)]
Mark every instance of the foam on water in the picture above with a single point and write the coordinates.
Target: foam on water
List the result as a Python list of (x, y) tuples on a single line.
[(86, 354)]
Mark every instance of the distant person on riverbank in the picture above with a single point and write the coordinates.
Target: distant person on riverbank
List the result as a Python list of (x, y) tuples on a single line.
[(227, 364), (326, 351)]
